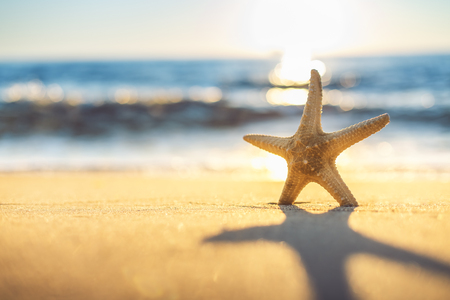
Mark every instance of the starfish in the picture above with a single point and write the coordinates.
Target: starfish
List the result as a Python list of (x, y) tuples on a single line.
[(311, 153)]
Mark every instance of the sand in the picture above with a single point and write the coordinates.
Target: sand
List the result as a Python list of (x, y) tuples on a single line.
[(131, 236)]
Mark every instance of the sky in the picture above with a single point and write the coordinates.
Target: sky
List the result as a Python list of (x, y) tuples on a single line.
[(203, 29)]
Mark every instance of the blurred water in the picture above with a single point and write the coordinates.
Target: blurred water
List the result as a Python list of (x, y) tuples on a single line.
[(190, 116)]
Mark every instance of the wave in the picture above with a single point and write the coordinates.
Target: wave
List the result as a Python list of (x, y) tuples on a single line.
[(28, 117), (25, 117)]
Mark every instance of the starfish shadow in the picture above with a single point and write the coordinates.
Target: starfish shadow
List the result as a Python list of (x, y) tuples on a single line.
[(324, 242)]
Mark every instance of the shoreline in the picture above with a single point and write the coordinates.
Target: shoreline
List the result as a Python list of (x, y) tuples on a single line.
[(117, 236)]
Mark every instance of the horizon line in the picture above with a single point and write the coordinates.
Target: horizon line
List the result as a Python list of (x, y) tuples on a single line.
[(40, 59)]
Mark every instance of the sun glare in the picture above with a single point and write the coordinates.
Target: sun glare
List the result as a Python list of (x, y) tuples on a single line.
[(295, 67), (298, 29), (275, 166), (286, 24)]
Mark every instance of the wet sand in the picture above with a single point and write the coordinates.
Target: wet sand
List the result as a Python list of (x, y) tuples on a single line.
[(130, 236)]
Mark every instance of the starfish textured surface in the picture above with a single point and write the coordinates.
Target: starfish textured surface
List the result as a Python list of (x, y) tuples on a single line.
[(311, 153)]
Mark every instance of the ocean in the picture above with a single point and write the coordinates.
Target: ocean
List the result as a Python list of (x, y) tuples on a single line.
[(188, 117)]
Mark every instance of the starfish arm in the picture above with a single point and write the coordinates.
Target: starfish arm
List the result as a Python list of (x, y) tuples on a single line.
[(272, 144), (330, 179), (342, 139), (311, 118), (295, 182)]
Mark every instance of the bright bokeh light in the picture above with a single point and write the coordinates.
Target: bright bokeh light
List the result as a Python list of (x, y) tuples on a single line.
[(36, 90), (347, 103), (14, 93), (125, 96), (75, 98), (349, 79), (205, 94), (427, 100), (289, 96), (333, 97), (55, 93)]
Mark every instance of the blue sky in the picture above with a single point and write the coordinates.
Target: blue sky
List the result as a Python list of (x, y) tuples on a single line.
[(53, 30)]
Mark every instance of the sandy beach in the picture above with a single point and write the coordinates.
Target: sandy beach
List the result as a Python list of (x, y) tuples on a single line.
[(145, 146), (131, 236)]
